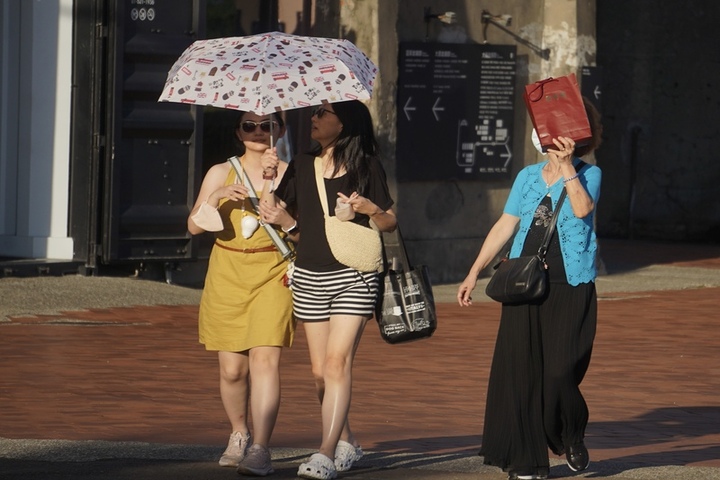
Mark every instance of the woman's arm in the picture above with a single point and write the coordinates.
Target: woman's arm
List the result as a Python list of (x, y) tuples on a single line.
[(580, 200), (498, 236), (386, 221), (212, 190)]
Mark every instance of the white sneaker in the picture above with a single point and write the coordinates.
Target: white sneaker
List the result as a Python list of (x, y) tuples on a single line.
[(236, 449), (256, 462)]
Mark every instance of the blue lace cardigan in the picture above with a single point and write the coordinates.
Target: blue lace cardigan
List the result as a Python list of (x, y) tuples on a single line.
[(577, 235)]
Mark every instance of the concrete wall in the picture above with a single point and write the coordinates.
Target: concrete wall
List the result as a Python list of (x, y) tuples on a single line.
[(444, 222)]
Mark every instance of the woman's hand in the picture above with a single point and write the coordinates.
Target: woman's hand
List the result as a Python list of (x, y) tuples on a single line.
[(563, 154), (464, 290), (360, 204), (234, 192), (277, 215), (270, 161), (385, 221)]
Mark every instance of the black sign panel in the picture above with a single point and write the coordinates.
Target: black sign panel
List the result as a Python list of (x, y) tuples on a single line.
[(455, 111), (591, 85)]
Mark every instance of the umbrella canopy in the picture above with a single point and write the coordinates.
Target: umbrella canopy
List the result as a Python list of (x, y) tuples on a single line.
[(269, 72)]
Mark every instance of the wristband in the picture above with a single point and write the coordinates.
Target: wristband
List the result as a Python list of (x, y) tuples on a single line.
[(571, 178), (291, 229)]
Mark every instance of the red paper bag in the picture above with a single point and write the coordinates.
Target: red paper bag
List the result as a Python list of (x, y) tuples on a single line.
[(556, 108)]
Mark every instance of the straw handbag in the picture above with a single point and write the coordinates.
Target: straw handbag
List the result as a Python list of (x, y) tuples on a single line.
[(351, 244)]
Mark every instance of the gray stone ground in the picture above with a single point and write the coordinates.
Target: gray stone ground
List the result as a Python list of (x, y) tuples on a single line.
[(59, 459)]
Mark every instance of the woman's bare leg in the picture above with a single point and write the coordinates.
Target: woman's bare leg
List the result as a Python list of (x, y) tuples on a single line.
[(265, 391), (234, 368), (332, 346)]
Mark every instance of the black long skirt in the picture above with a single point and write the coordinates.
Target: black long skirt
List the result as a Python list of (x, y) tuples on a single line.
[(534, 401)]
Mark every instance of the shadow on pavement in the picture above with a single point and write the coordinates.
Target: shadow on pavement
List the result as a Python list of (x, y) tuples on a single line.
[(626, 255), (662, 429)]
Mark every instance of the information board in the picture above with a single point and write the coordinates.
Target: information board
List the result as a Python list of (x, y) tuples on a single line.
[(591, 85), (455, 111)]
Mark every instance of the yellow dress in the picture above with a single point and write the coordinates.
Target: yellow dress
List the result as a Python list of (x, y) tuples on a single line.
[(244, 303)]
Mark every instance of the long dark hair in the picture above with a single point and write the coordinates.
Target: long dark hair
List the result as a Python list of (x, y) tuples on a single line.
[(355, 144)]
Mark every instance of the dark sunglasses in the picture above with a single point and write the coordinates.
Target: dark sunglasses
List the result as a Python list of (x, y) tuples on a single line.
[(321, 111), (266, 126)]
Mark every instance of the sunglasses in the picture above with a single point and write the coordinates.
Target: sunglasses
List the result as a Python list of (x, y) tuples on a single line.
[(321, 111), (266, 126)]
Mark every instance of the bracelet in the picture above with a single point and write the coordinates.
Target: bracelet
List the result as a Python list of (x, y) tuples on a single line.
[(291, 228), (571, 178), (271, 175)]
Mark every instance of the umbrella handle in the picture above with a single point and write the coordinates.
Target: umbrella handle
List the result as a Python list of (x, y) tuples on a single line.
[(267, 195)]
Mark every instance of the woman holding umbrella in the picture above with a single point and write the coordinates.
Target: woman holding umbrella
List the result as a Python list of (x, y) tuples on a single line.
[(246, 309), (332, 300)]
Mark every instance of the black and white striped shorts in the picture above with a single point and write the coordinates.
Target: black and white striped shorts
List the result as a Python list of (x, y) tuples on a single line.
[(317, 295)]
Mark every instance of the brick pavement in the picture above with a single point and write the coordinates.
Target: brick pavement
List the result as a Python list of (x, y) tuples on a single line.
[(138, 374)]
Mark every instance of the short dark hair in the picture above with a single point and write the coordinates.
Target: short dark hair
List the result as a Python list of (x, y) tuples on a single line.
[(595, 127)]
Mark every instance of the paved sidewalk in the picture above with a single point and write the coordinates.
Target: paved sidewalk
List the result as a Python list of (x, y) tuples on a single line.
[(104, 378)]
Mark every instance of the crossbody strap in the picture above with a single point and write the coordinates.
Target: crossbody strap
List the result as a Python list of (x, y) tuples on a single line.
[(242, 177), (542, 251), (252, 195), (320, 181)]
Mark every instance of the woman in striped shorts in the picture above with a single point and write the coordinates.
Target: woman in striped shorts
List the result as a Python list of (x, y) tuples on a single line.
[(333, 300)]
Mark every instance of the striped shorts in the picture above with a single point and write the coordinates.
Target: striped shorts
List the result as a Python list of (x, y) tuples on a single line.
[(318, 295)]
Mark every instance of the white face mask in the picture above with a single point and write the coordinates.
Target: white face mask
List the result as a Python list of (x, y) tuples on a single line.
[(536, 141)]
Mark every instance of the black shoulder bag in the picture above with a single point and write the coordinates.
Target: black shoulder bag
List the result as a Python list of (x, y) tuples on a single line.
[(524, 279)]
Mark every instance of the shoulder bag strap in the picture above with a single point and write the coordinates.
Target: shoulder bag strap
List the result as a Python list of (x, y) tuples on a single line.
[(274, 236), (395, 255), (320, 181), (542, 251)]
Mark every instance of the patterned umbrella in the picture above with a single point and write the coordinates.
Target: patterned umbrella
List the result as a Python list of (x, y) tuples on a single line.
[(269, 72)]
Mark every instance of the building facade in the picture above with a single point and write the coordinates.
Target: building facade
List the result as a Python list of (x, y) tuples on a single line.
[(95, 174)]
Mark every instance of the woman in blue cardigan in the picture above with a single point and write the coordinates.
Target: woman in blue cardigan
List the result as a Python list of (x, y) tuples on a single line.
[(543, 349)]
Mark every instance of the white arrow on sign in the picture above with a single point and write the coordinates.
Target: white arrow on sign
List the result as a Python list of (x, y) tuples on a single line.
[(597, 92), (436, 109), (407, 108)]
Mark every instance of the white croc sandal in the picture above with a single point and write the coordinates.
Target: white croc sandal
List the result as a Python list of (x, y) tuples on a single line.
[(319, 467), (346, 454)]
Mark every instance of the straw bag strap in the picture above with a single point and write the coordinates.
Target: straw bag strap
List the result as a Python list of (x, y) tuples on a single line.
[(320, 181)]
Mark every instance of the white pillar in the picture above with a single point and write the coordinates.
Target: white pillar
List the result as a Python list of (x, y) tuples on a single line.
[(43, 59)]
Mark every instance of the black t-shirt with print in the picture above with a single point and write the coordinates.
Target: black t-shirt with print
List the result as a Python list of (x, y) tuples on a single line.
[(554, 260), (298, 189)]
